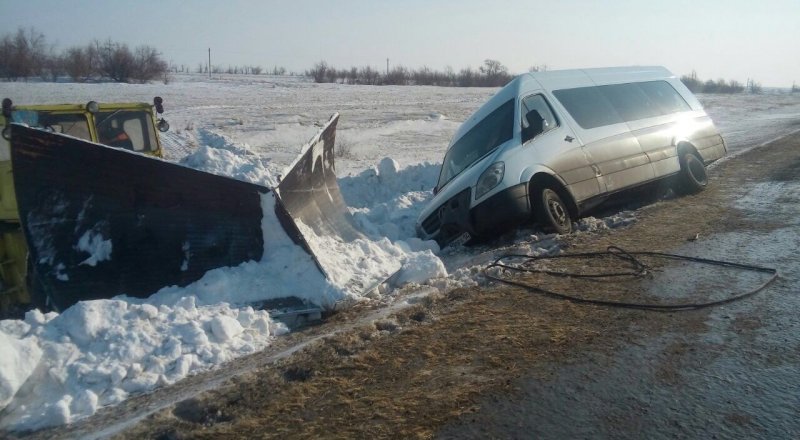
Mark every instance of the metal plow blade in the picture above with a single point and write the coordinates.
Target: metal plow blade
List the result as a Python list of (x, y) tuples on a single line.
[(100, 221), (312, 211)]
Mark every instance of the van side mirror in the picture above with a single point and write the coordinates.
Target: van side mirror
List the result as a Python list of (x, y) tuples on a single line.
[(535, 125)]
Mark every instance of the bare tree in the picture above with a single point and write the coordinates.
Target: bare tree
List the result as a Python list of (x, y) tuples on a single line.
[(78, 63), (115, 60), (23, 54), (147, 64), (494, 72), (368, 75), (397, 76), (52, 67), (692, 83), (6, 55), (466, 77), (754, 87), (318, 72)]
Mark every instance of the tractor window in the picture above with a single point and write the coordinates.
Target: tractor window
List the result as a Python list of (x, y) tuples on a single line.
[(73, 124), (128, 129)]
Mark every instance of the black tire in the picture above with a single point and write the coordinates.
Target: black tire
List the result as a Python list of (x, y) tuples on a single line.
[(692, 178), (552, 213)]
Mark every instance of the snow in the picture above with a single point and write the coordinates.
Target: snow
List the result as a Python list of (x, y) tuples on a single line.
[(93, 243), (57, 369), (61, 368), (20, 356)]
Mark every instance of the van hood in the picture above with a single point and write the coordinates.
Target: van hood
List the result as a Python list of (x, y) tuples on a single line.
[(466, 179)]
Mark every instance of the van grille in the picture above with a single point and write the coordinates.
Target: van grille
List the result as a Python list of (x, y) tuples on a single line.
[(454, 211), (432, 223)]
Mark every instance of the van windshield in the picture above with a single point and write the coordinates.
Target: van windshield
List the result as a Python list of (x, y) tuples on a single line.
[(488, 134)]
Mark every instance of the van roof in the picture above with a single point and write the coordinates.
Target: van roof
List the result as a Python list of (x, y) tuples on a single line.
[(557, 79), (562, 79)]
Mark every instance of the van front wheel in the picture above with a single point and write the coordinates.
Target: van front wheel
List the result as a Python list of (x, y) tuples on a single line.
[(551, 212), (692, 178)]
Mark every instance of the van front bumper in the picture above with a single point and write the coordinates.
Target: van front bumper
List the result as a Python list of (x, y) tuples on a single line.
[(505, 210)]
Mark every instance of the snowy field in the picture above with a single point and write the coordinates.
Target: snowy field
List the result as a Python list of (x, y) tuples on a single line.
[(56, 369)]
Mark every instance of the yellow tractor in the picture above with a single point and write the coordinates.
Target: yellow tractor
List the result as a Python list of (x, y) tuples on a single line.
[(92, 214), (130, 126)]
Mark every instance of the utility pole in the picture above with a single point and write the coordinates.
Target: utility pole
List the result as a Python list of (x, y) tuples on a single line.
[(209, 63), (387, 66)]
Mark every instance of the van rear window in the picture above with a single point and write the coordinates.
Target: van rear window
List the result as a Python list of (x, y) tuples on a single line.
[(605, 105)]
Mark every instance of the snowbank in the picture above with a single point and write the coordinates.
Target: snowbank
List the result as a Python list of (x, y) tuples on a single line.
[(60, 368), (20, 357)]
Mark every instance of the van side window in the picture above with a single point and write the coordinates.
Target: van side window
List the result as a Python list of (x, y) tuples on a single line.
[(605, 105), (630, 101), (588, 107), (665, 96), (537, 117)]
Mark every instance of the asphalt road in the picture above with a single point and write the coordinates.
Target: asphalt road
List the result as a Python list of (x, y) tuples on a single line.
[(727, 372)]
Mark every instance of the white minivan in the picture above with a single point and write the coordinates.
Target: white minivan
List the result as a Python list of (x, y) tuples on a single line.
[(551, 145)]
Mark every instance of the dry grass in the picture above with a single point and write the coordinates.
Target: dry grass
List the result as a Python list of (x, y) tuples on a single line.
[(436, 362)]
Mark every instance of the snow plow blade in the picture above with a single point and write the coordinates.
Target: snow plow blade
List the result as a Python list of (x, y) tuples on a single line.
[(311, 209), (100, 221), (309, 193)]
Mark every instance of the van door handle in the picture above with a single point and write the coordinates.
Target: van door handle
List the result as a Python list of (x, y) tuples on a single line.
[(569, 138)]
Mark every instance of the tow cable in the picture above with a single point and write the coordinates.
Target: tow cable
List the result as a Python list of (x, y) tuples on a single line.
[(636, 268)]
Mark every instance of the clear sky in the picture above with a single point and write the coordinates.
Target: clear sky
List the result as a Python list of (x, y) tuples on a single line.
[(731, 39)]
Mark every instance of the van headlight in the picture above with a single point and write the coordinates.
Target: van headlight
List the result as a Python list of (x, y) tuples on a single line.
[(489, 179)]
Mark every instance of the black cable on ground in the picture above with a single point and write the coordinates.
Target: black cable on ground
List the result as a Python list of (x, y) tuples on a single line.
[(637, 269)]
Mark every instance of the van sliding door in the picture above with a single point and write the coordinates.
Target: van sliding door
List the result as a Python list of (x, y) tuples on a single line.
[(615, 154), (656, 127), (556, 146)]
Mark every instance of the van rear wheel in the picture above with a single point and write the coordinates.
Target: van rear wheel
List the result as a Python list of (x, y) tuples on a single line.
[(552, 213), (692, 178)]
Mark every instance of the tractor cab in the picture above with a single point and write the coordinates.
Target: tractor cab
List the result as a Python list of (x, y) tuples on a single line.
[(129, 126)]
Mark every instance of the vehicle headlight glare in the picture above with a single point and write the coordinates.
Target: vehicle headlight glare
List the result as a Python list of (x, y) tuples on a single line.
[(490, 179)]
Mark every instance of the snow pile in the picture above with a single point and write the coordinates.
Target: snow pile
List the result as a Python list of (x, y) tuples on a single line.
[(386, 200), (221, 156), (593, 224), (285, 270), (96, 353), (354, 267), (20, 357)]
